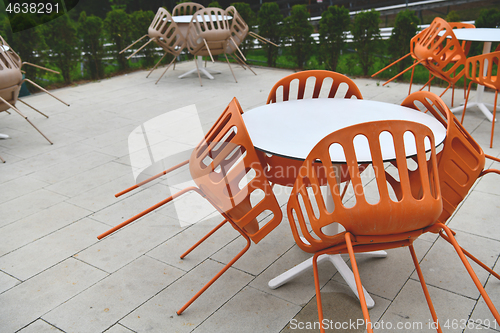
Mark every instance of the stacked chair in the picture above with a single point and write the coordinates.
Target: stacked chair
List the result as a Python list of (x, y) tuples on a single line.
[(166, 34), (483, 69), (218, 165), (11, 80), (186, 8)]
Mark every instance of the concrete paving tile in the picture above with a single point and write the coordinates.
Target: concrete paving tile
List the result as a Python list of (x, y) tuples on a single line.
[(189, 209), (139, 200), (489, 183), (477, 215), (33, 227), (75, 166), (260, 255), (170, 251), (7, 282), (416, 314), (51, 249), (341, 311), (18, 187), (250, 310), (482, 314), (118, 250), (160, 311), (28, 204), (29, 300), (441, 265), (301, 289), (40, 326), (395, 270), (90, 179), (118, 328), (102, 305), (103, 196)]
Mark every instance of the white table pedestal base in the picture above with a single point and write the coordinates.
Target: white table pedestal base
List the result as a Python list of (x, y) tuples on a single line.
[(203, 70), (339, 264)]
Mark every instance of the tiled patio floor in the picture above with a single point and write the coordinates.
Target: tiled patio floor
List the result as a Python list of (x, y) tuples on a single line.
[(55, 199)]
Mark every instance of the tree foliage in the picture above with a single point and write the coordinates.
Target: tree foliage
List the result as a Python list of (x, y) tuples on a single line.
[(488, 18), (334, 22), (269, 19), (60, 36), (366, 34), (117, 26), (298, 31), (90, 31), (405, 28), (140, 22), (250, 18)]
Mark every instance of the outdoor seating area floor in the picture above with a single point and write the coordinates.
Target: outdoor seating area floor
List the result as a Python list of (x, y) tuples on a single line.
[(56, 199)]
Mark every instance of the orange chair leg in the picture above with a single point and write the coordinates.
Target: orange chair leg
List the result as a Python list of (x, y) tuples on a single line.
[(203, 239), (359, 286), (424, 287), (471, 273), (318, 291), (222, 271), (465, 104), (493, 121), (411, 80)]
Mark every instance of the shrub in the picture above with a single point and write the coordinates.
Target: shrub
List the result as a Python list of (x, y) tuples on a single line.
[(141, 20), (405, 28), (90, 33), (453, 16), (488, 18), (214, 4), (332, 26), (269, 19), (250, 18), (298, 30), (117, 26), (60, 36), (366, 34)]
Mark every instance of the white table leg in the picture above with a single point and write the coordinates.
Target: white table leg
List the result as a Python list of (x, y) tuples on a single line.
[(203, 70), (478, 101), (4, 136), (335, 259)]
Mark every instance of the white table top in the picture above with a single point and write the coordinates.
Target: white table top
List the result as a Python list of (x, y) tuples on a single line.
[(188, 18), (478, 34), (292, 129)]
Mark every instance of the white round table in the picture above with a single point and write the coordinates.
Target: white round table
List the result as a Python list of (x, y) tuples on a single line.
[(486, 35), (291, 129)]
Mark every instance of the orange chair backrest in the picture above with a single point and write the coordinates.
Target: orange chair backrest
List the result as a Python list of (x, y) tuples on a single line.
[(322, 82), (10, 75), (483, 69), (166, 32), (460, 25), (239, 29), (227, 170), (388, 215), (461, 160), (211, 26), (186, 8), (441, 51)]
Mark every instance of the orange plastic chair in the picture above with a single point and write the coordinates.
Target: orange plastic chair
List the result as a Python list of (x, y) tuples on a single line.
[(208, 35), (442, 54), (306, 84), (389, 223), (166, 34), (460, 163), (11, 80), (227, 172), (186, 8), (481, 69), (317, 77)]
